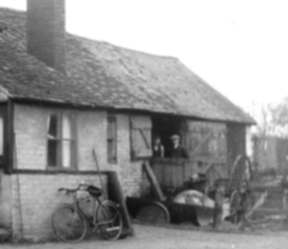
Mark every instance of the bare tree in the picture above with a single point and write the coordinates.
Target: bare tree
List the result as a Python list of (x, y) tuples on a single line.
[(274, 119), (279, 113)]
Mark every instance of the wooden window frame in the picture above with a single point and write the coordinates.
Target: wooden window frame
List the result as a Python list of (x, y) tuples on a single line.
[(59, 140), (112, 139)]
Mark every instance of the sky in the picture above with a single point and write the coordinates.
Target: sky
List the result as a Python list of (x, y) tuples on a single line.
[(240, 47)]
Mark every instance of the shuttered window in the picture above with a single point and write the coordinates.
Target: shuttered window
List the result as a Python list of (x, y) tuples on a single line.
[(112, 138), (141, 144), (61, 142)]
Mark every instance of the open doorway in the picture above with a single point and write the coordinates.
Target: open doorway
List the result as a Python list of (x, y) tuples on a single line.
[(164, 127)]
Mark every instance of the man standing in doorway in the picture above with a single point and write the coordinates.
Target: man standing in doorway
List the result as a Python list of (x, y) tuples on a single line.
[(177, 150)]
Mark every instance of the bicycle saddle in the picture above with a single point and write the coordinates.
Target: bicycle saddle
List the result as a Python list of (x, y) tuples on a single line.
[(94, 191)]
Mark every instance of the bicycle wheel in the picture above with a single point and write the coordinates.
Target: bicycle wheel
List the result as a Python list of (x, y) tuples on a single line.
[(109, 221), (68, 225)]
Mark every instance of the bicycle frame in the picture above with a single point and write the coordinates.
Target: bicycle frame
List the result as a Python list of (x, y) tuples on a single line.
[(92, 221), (103, 216)]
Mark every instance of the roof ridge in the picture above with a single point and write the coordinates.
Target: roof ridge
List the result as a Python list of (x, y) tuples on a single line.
[(103, 41), (7, 10), (123, 48), (11, 9)]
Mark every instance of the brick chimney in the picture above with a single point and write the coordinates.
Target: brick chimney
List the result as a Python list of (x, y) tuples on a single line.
[(46, 31)]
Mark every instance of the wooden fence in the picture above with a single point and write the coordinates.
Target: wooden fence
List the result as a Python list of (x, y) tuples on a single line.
[(172, 173)]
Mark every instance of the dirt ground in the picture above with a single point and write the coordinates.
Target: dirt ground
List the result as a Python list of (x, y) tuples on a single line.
[(148, 237)]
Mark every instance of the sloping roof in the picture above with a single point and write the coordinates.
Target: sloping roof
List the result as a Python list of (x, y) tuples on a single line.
[(101, 74)]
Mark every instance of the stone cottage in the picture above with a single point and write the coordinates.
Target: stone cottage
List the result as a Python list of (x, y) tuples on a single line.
[(61, 96)]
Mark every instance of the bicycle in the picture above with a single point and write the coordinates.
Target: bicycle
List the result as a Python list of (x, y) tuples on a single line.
[(70, 223)]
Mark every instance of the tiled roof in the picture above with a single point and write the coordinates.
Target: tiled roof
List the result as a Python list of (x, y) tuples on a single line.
[(101, 74)]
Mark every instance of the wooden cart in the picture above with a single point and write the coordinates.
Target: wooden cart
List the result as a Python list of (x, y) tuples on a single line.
[(193, 205), (160, 209)]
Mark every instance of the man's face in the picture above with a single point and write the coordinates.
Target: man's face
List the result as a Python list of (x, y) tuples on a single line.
[(157, 141), (176, 141)]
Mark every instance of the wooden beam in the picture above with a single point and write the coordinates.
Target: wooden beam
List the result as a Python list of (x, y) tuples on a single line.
[(57, 172), (154, 182), (115, 194)]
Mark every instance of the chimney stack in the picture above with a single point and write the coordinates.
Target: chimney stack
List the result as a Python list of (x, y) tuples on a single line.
[(46, 31)]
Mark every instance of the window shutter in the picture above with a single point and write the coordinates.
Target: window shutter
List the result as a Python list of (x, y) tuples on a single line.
[(112, 138), (207, 140), (141, 144)]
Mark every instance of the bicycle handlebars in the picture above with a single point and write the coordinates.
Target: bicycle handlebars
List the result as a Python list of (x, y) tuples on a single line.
[(83, 186)]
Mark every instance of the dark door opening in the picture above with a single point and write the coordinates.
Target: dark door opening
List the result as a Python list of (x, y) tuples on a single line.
[(164, 127)]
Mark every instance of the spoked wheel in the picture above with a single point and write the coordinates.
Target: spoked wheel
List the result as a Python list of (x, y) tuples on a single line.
[(109, 221), (235, 200), (154, 213), (68, 225), (241, 172), (245, 206)]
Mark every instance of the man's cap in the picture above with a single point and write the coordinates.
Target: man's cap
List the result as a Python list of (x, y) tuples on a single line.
[(175, 136)]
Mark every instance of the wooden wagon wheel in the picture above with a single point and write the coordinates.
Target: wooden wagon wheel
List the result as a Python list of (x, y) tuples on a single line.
[(154, 213), (241, 172), (241, 199)]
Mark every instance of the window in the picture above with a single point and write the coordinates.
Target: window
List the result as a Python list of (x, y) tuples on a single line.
[(141, 145), (61, 144), (112, 138)]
